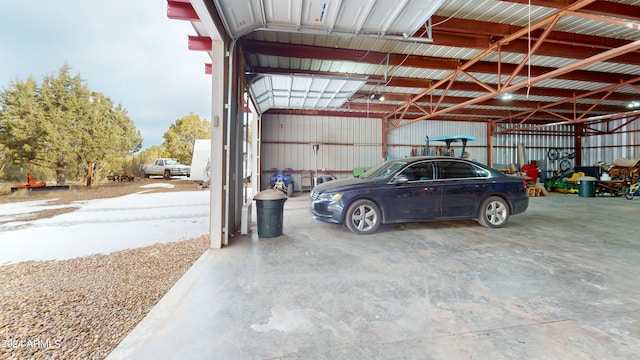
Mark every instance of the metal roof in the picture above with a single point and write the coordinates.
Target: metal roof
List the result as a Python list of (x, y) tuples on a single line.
[(436, 60)]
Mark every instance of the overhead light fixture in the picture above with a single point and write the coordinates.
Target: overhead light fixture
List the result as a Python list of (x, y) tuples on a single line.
[(506, 96), (376, 97), (633, 104)]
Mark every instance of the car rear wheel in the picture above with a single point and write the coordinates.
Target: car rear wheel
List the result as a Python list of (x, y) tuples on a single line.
[(494, 212), (363, 217)]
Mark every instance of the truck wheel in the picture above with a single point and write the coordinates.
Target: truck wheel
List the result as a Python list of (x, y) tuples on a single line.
[(290, 189), (167, 174)]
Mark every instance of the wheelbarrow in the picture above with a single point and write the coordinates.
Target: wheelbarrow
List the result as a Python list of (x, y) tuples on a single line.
[(612, 187)]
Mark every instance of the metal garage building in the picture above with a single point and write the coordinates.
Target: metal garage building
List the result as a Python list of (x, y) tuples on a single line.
[(553, 73), (560, 282)]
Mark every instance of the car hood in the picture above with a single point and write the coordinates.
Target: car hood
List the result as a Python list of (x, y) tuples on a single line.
[(342, 184)]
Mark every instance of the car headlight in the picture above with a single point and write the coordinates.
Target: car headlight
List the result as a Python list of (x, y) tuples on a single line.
[(330, 196)]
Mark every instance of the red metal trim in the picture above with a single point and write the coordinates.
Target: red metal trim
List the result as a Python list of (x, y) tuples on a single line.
[(200, 43), (385, 144), (490, 133), (181, 10), (577, 142)]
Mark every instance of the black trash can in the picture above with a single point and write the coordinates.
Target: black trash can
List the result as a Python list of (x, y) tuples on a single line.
[(587, 186), (269, 206)]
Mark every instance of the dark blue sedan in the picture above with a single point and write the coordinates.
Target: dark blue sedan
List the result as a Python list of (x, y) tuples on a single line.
[(420, 189)]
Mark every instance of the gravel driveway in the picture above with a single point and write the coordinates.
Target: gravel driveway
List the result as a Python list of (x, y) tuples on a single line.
[(84, 306)]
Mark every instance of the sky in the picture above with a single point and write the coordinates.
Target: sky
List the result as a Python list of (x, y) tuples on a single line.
[(129, 50), (142, 219)]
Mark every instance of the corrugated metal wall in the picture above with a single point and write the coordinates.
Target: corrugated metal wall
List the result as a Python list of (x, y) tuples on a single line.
[(535, 147), (400, 141), (345, 143), (607, 148)]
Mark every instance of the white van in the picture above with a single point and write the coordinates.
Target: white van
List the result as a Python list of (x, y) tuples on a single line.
[(201, 162)]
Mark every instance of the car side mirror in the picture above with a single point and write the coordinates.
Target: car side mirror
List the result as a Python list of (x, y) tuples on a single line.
[(400, 179)]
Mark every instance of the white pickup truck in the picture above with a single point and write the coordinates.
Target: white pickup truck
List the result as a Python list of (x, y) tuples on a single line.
[(166, 168)]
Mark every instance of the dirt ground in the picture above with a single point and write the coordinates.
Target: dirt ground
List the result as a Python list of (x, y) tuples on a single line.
[(82, 308), (107, 189)]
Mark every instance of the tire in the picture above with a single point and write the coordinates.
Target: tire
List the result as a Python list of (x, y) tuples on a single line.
[(290, 189), (565, 165), (628, 194), (167, 174), (494, 212), (553, 154), (363, 217)]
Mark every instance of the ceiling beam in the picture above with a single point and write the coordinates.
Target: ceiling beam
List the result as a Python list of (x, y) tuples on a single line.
[(548, 24), (417, 61), (604, 8), (525, 104), (551, 75), (421, 84), (521, 46), (495, 31)]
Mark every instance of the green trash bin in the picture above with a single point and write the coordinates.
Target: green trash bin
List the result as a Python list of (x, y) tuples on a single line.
[(269, 206), (587, 186)]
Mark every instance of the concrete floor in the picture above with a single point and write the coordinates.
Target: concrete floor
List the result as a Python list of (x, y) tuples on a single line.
[(561, 281)]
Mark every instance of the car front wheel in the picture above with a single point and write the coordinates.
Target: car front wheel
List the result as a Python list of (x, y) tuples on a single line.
[(363, 217), (494, 212)]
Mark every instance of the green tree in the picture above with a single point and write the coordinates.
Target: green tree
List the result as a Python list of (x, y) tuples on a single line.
[(21, 122), (64, 126), (181, 137)]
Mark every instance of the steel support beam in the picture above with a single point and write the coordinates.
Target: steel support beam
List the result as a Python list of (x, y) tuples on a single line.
[(507, 87), (575, 118), (181, 10), (421, 62), (200, 43)]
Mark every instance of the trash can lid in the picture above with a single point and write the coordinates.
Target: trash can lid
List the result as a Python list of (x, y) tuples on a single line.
[(270, 194), (587, 178)]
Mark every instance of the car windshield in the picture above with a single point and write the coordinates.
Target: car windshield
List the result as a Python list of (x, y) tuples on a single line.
[(383, 170)]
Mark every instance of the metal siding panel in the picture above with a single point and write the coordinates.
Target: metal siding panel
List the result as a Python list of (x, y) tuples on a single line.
[(536, 147), (607, 148), (345, 143)]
